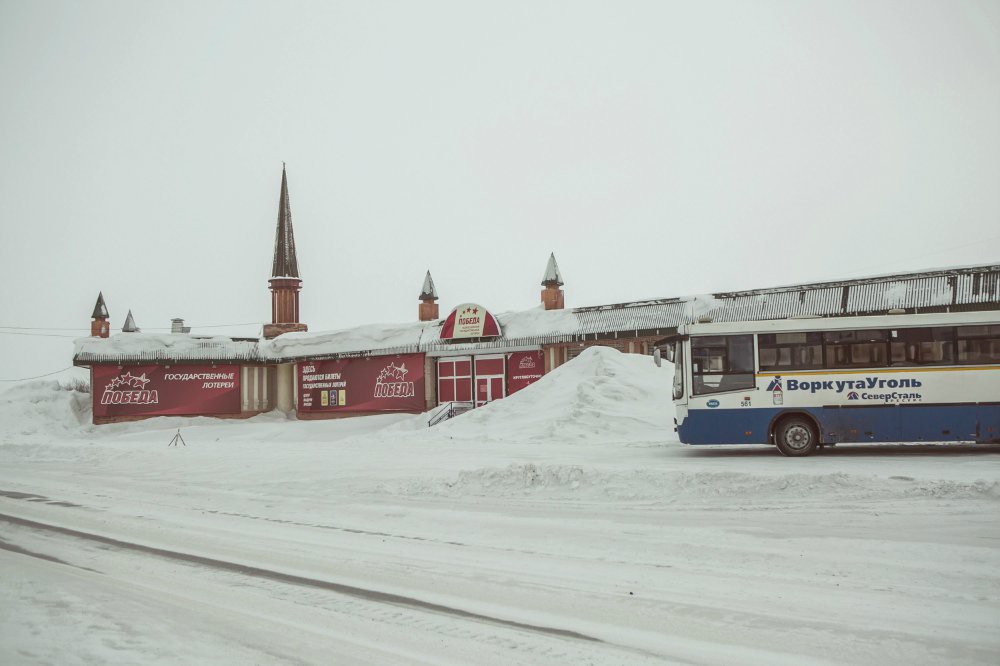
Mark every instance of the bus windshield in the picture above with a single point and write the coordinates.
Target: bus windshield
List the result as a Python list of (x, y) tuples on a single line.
[(722, 363), (677, 352)]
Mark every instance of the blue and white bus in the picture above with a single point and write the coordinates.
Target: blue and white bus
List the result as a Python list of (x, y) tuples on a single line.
[(800, 384)]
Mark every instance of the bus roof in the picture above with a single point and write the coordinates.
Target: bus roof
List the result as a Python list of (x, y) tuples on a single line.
[(843, 323)]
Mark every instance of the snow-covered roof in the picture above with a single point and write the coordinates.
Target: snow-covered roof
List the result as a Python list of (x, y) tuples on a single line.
[(140, 347), (377, 339), (975, 288)]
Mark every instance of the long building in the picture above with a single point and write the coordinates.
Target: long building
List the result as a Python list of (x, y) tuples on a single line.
[(467, 359)]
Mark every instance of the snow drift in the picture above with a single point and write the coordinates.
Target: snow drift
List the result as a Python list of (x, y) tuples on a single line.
[(602, 395)]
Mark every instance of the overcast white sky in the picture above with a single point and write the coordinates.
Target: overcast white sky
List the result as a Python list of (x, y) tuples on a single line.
[(659, 148)]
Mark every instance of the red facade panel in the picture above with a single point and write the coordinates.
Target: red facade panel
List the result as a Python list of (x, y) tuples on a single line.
[(377, 384), (454, 380), (524, 368), (489, 366), (446, 389), (155, 390)]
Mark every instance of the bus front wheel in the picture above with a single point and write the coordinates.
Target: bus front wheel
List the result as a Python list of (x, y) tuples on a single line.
[(796, 436)]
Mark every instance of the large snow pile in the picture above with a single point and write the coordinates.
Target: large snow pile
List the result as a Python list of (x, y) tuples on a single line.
[(48, 407), (602, 395)]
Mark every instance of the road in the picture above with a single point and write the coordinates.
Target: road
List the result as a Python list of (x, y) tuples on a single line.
[(845, 573)]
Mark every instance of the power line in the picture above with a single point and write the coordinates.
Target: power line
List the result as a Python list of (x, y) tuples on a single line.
[(44, 328), (24, 379), (39, 335), (147, 328)]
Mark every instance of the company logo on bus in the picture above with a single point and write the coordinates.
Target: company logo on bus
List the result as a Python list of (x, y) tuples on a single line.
[(775, 384), (863, 389)]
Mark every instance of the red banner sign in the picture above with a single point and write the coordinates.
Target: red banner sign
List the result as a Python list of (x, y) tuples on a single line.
[(154, 390), (469, 320), (524, 368), (377, 384)]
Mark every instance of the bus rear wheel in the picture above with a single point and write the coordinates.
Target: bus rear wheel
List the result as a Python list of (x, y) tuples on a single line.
[(796, 436)]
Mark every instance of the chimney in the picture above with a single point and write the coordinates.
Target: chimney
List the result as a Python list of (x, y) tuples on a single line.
[(428, 296), (552, 294), (99, 326), (285, 283), (177, 326)]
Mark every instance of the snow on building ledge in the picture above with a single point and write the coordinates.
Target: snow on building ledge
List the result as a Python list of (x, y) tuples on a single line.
[(176, 348)]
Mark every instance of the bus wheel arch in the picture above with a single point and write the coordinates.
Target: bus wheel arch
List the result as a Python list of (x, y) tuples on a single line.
[(795, 434)]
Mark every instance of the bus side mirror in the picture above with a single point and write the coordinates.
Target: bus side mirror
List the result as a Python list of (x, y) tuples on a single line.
[(657, 357)]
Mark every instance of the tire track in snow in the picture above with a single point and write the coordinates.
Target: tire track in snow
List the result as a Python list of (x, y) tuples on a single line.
[(340, 588)]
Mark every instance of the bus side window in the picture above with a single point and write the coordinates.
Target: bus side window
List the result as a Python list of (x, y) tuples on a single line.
[(790, 351), (924, 346), (856, 349), (979, 344)]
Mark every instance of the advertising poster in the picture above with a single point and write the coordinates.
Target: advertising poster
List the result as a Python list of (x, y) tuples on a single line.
[(154, 390), (524, 368), (378, 384)]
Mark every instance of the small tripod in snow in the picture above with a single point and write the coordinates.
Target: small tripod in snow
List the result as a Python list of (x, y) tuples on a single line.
[(177, 438)]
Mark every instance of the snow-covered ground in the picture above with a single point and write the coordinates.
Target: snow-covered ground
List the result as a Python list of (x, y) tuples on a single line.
[(562, 525)]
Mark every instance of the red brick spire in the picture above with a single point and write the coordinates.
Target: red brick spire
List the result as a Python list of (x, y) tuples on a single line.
[(99, 327), (428, 296), (284, 283), (553, 297)]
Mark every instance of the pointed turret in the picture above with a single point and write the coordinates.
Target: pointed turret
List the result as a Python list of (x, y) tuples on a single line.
[(130, 326), (552, 294), (428, 296), (99, 326), (285, 262), (284, 283), (552, 277)]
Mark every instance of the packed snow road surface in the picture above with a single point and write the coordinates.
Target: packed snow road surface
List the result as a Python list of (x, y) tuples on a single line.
[(561, 525)]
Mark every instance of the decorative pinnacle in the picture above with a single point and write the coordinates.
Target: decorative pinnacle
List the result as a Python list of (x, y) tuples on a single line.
[(100, 309), (552, 277), (130, 326), (428, 292), (285, 263)]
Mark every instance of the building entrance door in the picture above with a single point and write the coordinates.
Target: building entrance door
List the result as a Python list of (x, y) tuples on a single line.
[(489, 379), (488, 389)]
